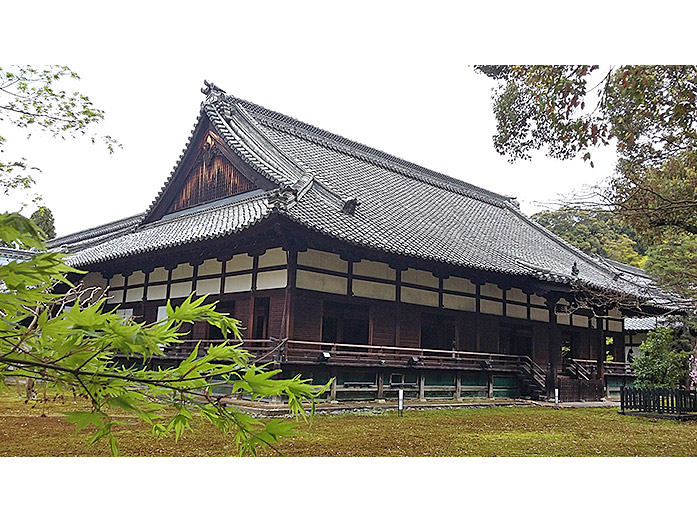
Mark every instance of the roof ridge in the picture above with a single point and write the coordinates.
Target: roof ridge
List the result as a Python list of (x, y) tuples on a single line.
[(560, 241), (264, 157), (364, 152), (624, 267)]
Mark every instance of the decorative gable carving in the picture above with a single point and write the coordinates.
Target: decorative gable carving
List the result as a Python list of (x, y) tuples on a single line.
[(210, 178)]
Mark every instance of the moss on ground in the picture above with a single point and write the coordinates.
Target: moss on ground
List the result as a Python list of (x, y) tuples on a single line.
[(33, 429)]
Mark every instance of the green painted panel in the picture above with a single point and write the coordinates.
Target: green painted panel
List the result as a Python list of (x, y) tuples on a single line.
[(613, 382), (506, 393), (356, 377), (439, 394), (408, 394), (357, 394), (505, 381), (473, 379), (440, 380), (473, 394), (320, 378)]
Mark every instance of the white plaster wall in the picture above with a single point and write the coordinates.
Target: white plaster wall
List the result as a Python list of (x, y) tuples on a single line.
[(489, 289), (210, 286), (374, 269), (239, 262), (419, 277), (273, 257), (180, 290), (157, 292), (183, 270), (158, 274), (210, 267), (321, 282), (419, 297), (322, 260), (491, 307), (453, 283), (239, 283), (272, 279), (135, 294), (371, 289), (461, 303)]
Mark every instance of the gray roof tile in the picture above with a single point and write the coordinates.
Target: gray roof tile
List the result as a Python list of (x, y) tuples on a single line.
[(187, 228)]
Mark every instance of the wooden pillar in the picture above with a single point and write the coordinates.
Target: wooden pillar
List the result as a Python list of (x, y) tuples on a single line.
[(555, 341), (422, 387), (381, 385), (477, 326), (600, 356), (489, 384), (286, 327), (458, 386), (332, 387)]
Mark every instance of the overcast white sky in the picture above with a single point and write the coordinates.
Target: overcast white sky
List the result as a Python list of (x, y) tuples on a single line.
[(395, 79), (393, 75)]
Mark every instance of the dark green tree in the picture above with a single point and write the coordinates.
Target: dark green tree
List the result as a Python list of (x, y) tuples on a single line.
[(594, 232), (43, 218), (664, 359), (648, 113)]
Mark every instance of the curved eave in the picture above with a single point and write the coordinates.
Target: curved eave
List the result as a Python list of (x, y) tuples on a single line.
[(189, 228)]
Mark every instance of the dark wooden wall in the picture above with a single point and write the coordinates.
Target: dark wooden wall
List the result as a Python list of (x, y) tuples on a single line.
[(307, 317), (488, 333), (409, 327), (277, 303), (384, 324)]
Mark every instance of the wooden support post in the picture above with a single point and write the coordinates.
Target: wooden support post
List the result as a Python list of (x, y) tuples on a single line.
[(555, 342), (287, 323), (489, 384), (458, 386), (332, 387), (381, 386), (422, 387), (601, 351)]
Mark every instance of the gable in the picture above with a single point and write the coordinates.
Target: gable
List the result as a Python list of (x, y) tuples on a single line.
[(208, 171), (210, 177)]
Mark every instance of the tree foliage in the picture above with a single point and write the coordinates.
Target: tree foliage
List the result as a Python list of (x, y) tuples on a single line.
[(648, 113), (43, 218), (594, 232), (663, 361), (71, 342), (648, 110), (30, 100)]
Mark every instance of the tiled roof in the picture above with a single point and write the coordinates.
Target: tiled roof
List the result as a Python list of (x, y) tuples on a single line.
[(649, 323), (8, 254), (640, 324), (80, 240), (401, 208), (210, 223)]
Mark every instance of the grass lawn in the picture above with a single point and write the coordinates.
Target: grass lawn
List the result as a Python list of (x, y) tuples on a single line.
[(36, 430)]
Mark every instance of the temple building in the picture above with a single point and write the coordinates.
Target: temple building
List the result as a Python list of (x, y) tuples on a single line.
[(343, 261)]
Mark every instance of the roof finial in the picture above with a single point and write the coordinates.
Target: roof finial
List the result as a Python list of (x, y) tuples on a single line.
[(213, 92)]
